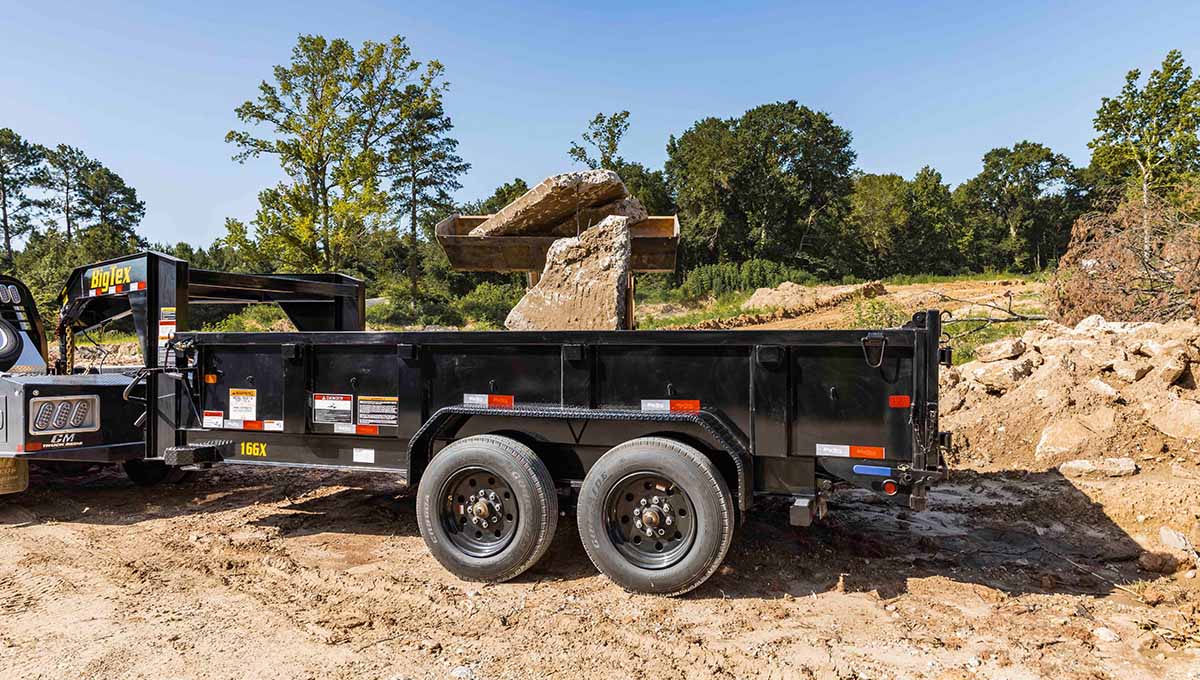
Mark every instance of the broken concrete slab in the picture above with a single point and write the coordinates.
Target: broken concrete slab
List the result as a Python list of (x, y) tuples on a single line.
[(625, 207), (551, 202), (584, 284), (1008, 348), (1061, 436), (1180, 419), (1108, 467)]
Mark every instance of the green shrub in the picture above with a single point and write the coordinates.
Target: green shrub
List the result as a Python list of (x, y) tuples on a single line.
[(489, 303), (878, 313), (252, 319), (714, 280)]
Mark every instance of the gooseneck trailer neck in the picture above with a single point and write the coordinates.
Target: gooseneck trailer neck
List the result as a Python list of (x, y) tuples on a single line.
[(662, 440)]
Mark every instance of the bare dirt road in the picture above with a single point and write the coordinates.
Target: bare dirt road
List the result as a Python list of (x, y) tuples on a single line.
[(250, 573)]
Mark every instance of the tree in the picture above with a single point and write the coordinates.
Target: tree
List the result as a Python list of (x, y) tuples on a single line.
[(109, 202), (1015, 208), (422, 161), (933, 240), (1150, 134), (503, 195), (329, 114), (21, 167), (879, 213), (603, 134), (67, 169), (772, 184)]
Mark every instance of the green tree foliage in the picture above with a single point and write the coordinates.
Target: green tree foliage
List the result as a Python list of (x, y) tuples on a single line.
[(109, 203), (504, 194), (66, 171), (774, 183), (603, 135), (329, 118), (905, 226), (21, 166), (423, 163), (879, 214), (1019, 209), (1148, 134)]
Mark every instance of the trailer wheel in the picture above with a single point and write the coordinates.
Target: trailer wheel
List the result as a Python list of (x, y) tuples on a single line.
[(153, 472), (487, 508), (655, 516)]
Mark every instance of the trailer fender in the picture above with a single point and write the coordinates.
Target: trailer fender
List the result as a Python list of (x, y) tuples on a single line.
[(723, 435)]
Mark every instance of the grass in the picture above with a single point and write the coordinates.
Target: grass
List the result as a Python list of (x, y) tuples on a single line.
[(724, 307), (966, 346), (105, 338)]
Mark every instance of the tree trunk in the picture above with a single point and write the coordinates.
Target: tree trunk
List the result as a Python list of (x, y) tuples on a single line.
[(412, 225), (8, 254)]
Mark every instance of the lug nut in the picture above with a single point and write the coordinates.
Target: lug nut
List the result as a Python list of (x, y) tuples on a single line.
[(650, 532), (643, 502), (637, 511), (492, 495), (637, 523), (475, 521), (661, 532), (473, 499), (666, 507), (484, 524), (670, 520), (654, 500)]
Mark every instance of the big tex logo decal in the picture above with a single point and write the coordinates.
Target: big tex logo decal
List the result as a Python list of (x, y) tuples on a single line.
[(103, 277)]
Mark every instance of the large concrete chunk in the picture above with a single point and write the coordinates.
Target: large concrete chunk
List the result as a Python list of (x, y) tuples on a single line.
[(584, 284), (625, 207), (549, 204)]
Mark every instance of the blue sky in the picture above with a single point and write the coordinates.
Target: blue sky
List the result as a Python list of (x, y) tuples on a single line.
[(150, 89)]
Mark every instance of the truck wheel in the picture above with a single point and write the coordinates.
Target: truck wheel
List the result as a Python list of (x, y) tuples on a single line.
[(655, 516), (153, 472), (487, 508)]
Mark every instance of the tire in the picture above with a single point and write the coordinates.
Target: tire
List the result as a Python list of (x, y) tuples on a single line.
[(523, 511), (684, 492), (153, 473)]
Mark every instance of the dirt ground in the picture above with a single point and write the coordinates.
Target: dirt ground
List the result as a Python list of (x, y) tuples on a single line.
[(245, 572)]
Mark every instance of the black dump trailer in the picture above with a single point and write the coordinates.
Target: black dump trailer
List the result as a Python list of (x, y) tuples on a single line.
[(661, 441)]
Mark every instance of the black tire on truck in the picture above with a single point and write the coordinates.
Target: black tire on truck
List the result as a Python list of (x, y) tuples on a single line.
[(487, 508), (656, 516), (153, 472)]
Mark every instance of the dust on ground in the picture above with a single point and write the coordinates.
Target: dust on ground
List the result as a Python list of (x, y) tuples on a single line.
[(249, 572)]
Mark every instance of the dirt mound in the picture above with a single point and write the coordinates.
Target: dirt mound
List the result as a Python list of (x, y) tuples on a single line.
[(1136, 262), (1058, 394), (788, 301)]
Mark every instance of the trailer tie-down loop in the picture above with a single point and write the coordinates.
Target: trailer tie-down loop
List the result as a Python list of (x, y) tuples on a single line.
[(874, 344)]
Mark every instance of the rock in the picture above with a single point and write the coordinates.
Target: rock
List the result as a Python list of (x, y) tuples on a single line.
[(1061, 436), (626, 207), (548, 204), (1106, 635), (1103, 389), (1170, 367), (1130, 371), (584, 284), (1008, 348), (462, 673), (1180, 419), (1158, 562), (1001, 376), (1100, 420), (1092, 323), (1109, 467)]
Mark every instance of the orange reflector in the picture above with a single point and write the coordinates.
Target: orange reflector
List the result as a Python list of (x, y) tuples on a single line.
[(31, 446), (875, 452), (252, 424), (500, 401), (366, 429), (899, 401), (890, 488), (210, 378), (685, 404)]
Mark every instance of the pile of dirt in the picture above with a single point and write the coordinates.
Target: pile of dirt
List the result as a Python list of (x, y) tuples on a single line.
[(1057, 393), (788, 301)]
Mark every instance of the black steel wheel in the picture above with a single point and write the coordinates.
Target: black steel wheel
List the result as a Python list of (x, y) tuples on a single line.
[(487, 508), (655, 516)]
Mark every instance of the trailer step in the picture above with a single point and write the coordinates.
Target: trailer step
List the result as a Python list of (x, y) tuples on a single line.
[(192, 454)]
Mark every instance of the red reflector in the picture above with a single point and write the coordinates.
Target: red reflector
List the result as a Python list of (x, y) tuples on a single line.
[(31, 446), (890, 488), (500, 401), (866, 452), (685, 404), (210, 378), (366, 429), (899, 401), (252, 424)]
